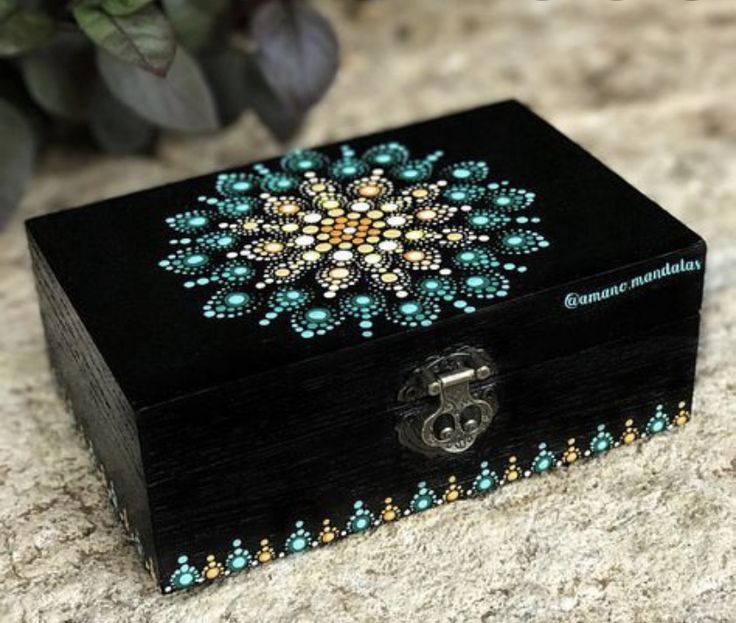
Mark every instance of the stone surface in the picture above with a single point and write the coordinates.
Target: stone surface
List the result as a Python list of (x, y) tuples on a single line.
[(645, 535)]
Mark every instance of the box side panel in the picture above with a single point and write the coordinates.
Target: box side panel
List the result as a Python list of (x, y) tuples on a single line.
[(280, 463), (99, 408)]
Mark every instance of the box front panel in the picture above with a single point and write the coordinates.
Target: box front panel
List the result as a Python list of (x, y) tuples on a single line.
[(228, 493)]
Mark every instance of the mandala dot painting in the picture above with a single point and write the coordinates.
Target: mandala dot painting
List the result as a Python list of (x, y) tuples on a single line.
[(377, 237)]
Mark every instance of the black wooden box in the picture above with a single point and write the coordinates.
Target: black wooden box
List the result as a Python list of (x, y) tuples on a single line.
[(274, 357)]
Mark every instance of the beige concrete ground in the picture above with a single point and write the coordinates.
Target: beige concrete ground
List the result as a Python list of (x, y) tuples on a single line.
[(646, 535)]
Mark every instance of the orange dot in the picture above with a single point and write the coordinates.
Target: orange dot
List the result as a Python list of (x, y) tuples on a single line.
[(334, 240), (352, 223), (365, 221), (374, 232), (341, 219), (369, 190)]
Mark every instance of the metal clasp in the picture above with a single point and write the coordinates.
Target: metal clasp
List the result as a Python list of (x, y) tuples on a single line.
[(463, 412)]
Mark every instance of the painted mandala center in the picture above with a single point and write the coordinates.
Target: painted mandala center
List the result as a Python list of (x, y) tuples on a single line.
[(369, 237)]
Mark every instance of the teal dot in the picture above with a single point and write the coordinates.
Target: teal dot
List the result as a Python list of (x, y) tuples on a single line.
[(423, 504), (237, 299), (185, 579), (475, 281), (657, 426), (480, 220), (383, 158), (365, 324), (514, 240), (224, 241), (458, 195), (467, 256), (431, 284), (196, 260), (196, 221), (293, 295), (484, 484), (298, 544), (349, 170), (241, 185), (307, 334), (410, 309), (238, 563), (305, 164), (503, 200), (461, 173), (543, 464), (240, 270), (409, 173), (318, 314), (362, 299)]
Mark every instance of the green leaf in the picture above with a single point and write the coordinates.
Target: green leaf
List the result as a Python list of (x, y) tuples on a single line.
[(115, 127), (123, 7), (7, 7), (144, 38), (17, 150), (54, 74), (194, 21), (23, 29), (297, 51), (181, 100)]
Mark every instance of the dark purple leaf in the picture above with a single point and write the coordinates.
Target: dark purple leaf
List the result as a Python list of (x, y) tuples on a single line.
[(297, 51)]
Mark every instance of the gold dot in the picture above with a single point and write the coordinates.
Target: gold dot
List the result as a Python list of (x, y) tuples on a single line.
[(339, 273), (274, 247), (310, 229), (389, 515), (282, 272), (414, 234), (336, 212), (365, 248), (344, 245), (419, 193), (392, 234), (318, 188), (264, 557), (212, 573), (389, 277), (372, 239), (629, 438), (323, 247), (310, 256), (290, 227), (374, 214), (414, 256), (571, 457), (211, 558), (454, 236), (289, 208), (373, 258), (328, 537), (426, 215), (250, 225), (512, 475), (330, 204), (452, 495)]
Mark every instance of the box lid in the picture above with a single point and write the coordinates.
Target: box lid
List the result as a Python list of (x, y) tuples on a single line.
[(199, 283)]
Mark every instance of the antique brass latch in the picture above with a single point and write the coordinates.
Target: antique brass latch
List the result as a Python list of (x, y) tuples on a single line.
[(464, 411)]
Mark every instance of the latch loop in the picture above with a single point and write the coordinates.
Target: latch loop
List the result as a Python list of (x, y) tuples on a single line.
[(462, 414)]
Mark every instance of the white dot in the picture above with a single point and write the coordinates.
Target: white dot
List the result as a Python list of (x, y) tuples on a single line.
[(304, 241), (342, 256)]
